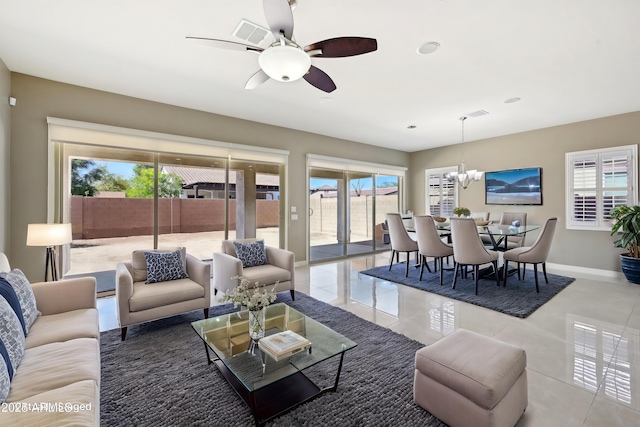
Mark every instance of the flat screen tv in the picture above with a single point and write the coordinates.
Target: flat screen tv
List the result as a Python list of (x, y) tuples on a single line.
[(513, 187)]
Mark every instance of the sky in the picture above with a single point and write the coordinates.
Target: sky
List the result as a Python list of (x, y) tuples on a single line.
[(123, 169)]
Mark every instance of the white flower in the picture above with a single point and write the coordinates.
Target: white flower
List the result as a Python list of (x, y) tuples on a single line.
[(252, 298)]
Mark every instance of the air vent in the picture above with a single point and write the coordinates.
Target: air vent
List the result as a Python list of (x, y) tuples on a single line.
[(248, 31), (478, 113)]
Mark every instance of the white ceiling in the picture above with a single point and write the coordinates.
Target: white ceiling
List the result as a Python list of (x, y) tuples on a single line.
[(569, 60)]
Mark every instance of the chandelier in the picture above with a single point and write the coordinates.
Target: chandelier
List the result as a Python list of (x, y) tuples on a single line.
[(464, 177)]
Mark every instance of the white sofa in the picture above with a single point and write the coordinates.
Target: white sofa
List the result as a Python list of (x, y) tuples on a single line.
[(58, 379)]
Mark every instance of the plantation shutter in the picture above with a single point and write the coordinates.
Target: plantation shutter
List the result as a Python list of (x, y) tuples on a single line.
[(441, 194), (598, 181)]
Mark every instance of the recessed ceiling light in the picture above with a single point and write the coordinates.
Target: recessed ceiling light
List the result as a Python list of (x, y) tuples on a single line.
[(512, 100), (428, 48), (412, 127)]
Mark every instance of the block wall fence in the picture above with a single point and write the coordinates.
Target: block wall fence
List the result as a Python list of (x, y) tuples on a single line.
[(104, 217)]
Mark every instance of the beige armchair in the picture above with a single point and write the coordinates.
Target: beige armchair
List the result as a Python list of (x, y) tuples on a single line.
[(138, 302), (280, 270)]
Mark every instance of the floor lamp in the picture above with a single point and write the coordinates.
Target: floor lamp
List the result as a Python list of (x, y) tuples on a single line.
[(49, 235)]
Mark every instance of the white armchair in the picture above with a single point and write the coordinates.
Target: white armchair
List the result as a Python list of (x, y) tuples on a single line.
[(280, 269), (138, 302)]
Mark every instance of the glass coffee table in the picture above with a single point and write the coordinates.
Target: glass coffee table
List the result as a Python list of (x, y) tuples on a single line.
[(268, 387)]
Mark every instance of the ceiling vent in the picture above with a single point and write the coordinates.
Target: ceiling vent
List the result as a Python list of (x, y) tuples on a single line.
[(250, 32), (478, 113)]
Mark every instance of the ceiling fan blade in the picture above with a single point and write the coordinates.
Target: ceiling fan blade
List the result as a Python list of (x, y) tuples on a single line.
[(318, 78), (224, 44), (279, 17), (256, 80), (340, 47)]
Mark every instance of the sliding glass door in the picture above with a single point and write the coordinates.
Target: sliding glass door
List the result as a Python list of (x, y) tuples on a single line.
[(121, 200), (347, 212), (191, 203), (326, 214)]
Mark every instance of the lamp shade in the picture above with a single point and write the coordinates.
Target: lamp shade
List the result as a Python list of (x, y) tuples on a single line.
[(48, 234), (284, 63)]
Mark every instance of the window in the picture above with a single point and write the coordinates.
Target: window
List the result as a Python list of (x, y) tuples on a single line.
[(597, 181), (441, 197)]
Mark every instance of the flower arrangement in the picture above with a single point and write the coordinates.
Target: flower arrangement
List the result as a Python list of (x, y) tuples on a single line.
[(461, 211), (250, 297)]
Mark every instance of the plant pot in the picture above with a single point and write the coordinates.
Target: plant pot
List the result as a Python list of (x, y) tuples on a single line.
[(631, 268)]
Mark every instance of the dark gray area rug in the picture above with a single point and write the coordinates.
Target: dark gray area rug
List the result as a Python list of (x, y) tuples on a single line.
[(160, 376), (518, 299)]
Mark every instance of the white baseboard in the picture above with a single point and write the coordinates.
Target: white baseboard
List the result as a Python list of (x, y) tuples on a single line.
[(583, 271)]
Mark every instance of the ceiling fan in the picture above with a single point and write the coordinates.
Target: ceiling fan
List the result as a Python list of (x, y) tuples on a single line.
[(285, 60)]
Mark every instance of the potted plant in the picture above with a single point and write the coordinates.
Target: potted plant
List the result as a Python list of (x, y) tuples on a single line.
[(459, 211), (626, 222)]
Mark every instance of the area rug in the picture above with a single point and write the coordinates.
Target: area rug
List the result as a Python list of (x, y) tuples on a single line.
[(160, 376), (518, 299)]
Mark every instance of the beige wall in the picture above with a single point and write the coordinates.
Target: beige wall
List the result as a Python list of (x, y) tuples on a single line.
[(5, 129), (40, 98), (544, 148)]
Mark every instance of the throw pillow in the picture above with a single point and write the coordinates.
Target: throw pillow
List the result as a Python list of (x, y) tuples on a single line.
[(251, 254), (4, 356), (139, 264), (9, 294), (11, 334), (21, 285), (5, 381), (164, 266)]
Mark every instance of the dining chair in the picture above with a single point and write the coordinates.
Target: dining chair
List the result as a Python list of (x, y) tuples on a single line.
[(507, 218), (535, 254), (430, 244), (484, 216), (468, 249), (400, 240)]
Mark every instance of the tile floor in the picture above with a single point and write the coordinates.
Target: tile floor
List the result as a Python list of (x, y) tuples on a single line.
[(583, 346)]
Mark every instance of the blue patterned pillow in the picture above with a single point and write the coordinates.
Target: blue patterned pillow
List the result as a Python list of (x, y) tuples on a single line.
[(21, 285), (5, 381), (8, 293), (251, 254), (4, 356), (11, 334), (164, 266)]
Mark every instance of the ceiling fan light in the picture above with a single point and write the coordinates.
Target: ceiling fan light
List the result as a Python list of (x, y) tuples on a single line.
[(284, 63)]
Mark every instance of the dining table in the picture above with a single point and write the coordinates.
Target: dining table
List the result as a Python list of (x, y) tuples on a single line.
[(499, 233)]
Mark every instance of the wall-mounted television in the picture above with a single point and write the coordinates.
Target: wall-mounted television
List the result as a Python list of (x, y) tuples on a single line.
[(513, 187)]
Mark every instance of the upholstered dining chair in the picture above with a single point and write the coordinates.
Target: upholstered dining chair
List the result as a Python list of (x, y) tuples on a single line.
[(507, 218), (400, 240), (468, 249), (484, 216), (430, 243), (535, 254)]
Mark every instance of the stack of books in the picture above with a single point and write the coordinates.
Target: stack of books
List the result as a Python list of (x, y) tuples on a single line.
[(283, 345)]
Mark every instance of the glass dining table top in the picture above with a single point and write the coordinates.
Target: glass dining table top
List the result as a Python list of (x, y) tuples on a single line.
[(506, 230), (495, 229)]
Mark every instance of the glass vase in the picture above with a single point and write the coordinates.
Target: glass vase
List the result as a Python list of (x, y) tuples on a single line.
[(257, 323)]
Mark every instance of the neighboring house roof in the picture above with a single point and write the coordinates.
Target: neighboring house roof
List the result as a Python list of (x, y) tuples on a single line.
[(193, 176)]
